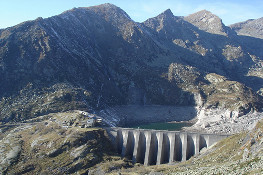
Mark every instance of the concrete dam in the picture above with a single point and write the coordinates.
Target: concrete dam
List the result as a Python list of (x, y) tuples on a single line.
[(154, 147)]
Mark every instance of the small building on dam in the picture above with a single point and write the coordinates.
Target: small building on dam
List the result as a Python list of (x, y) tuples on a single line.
[(154, 147)]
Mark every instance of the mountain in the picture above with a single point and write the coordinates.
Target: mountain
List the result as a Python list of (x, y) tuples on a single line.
[(251, 27), (98, 57), (208, 22)]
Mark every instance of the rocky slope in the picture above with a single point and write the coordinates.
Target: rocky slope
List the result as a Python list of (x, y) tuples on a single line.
[(98, 57), (208, 22), (251, 27), (46, 147)]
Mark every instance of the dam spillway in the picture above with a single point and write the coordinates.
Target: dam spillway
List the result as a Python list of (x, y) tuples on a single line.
[(155, 147)]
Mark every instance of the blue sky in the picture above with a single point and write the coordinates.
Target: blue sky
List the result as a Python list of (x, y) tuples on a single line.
[(13, 12)]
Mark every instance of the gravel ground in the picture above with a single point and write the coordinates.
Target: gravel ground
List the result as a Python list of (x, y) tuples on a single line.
[(220, 123)]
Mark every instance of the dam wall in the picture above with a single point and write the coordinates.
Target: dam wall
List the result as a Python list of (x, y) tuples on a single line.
[(155, 147)]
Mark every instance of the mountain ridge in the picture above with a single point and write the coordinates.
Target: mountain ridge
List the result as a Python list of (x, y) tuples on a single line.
[(207, 21), (113, 60), (251, 27)]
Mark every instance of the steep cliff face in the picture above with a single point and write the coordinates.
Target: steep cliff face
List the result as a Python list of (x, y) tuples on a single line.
[(98, 56)]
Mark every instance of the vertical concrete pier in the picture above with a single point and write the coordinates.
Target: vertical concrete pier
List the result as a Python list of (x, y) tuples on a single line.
[(197, 143), (172, 147), (136, 146), (148, 136), (183, 137), (125, 134), (160, 153)]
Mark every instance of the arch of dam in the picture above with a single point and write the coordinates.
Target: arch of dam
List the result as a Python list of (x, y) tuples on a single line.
[(154, 147)]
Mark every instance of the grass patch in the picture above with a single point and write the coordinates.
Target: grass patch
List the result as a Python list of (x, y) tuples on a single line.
[(247, 163), (52, 149), (225, 150)]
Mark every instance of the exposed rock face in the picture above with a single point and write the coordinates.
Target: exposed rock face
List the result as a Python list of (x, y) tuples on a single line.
[(97, 57), (224, 93), (251, 27), (208, 22), (10, 150)]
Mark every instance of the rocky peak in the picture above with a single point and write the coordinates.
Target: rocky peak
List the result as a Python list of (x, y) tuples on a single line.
[(107, 5), (166, 16), (109, 10), (251, 27), (167, 13), (164, 20), (240, 25), (207, 21), (102, 19)]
